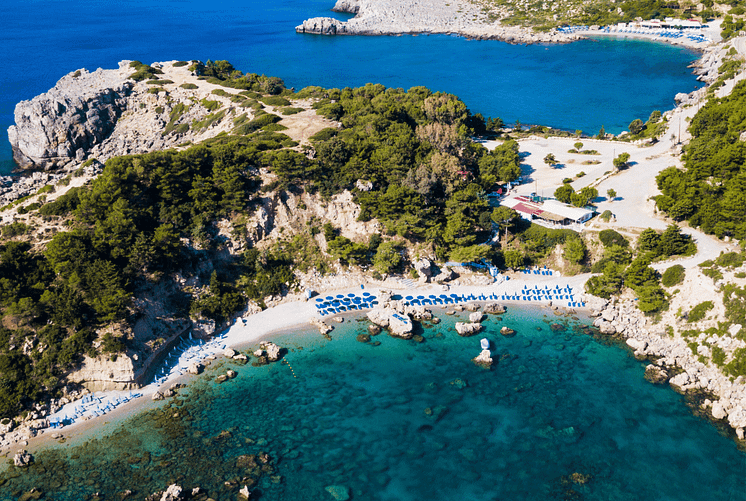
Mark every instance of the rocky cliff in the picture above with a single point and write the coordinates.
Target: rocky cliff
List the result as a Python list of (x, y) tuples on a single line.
[(105, 113), (59, 126)]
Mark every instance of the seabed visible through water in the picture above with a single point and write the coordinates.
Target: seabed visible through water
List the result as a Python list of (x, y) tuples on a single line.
[(561, 415)]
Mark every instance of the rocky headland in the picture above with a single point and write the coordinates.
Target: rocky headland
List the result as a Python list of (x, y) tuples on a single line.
[(396, 17)]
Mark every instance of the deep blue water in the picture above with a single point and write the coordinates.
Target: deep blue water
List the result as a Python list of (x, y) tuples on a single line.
[(561, 416), (576, 86)]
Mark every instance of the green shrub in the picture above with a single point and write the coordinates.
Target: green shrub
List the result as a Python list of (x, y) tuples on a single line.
[(700, 311), (737, 366), (179, 64), (718, 356), (189, 86), (274, 101), (143, 71), (210, 105), (713, 273), (15, 229), (606, 216), (159, 82), (611, 237), (274, 127), (729, 260), (673, 275), (159, 109), (290, 111), (256, 124)]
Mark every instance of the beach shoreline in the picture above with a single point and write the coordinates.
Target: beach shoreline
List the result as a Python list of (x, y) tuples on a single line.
[(248, 331)]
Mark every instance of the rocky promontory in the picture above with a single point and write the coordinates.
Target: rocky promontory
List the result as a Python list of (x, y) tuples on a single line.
[(395, 17)]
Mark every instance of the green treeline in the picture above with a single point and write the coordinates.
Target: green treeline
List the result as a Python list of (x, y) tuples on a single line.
[(711, 191)]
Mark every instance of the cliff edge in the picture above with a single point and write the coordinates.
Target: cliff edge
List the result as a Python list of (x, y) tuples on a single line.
[(81, 110)]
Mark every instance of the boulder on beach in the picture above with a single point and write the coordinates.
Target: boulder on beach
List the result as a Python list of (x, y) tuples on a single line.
[(229, 353), (467, 329), (494, 309)]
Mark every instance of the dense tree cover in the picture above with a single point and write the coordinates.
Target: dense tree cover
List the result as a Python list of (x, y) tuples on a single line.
[(429, 178), (710, 192), (568, 195), (620, 268)]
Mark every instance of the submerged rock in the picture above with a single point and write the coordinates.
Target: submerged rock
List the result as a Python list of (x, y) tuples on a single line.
[(338, 492), (655, 374), (506, 331), (363, 338)]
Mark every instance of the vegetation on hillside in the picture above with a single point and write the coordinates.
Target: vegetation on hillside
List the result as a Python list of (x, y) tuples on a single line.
[(710, 192)]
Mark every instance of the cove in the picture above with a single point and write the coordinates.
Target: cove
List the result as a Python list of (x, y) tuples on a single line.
[(583, 85), (564, 414)]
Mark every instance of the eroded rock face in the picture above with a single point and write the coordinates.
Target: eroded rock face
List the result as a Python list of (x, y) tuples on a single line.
[(173, 493), (322, 26), (79, 112), (494, 308), (348, 6)]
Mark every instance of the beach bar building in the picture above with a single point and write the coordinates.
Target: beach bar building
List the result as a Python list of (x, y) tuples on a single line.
[(548, 212)]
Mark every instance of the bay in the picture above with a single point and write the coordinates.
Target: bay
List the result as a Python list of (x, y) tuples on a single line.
[(582, 85), (561, 415)]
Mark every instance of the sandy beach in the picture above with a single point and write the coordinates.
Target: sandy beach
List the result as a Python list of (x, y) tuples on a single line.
[(246, 332)]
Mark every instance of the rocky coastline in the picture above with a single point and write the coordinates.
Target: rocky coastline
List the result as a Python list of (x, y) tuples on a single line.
[(392, 17), (672, 361)]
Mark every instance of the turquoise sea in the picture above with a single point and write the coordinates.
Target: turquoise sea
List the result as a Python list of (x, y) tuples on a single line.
[(562, 415), (576, 86)]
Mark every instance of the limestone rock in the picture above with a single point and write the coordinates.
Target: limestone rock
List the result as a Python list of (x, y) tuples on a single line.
[(323, 328), (173, 493), (423, 267), (494, 309), (347, 6), (506, 331), (158, 396), (717, 410), (77, 113), (322, 26), (476, 317), (229, 353), (363, 185), (467, 329), (484, 359), (245, 492), (231, 374), (273, 351), (23, 459)]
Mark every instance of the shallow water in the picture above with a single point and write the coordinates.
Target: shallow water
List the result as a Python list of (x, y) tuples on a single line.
[(582, 85), (403, 420)]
